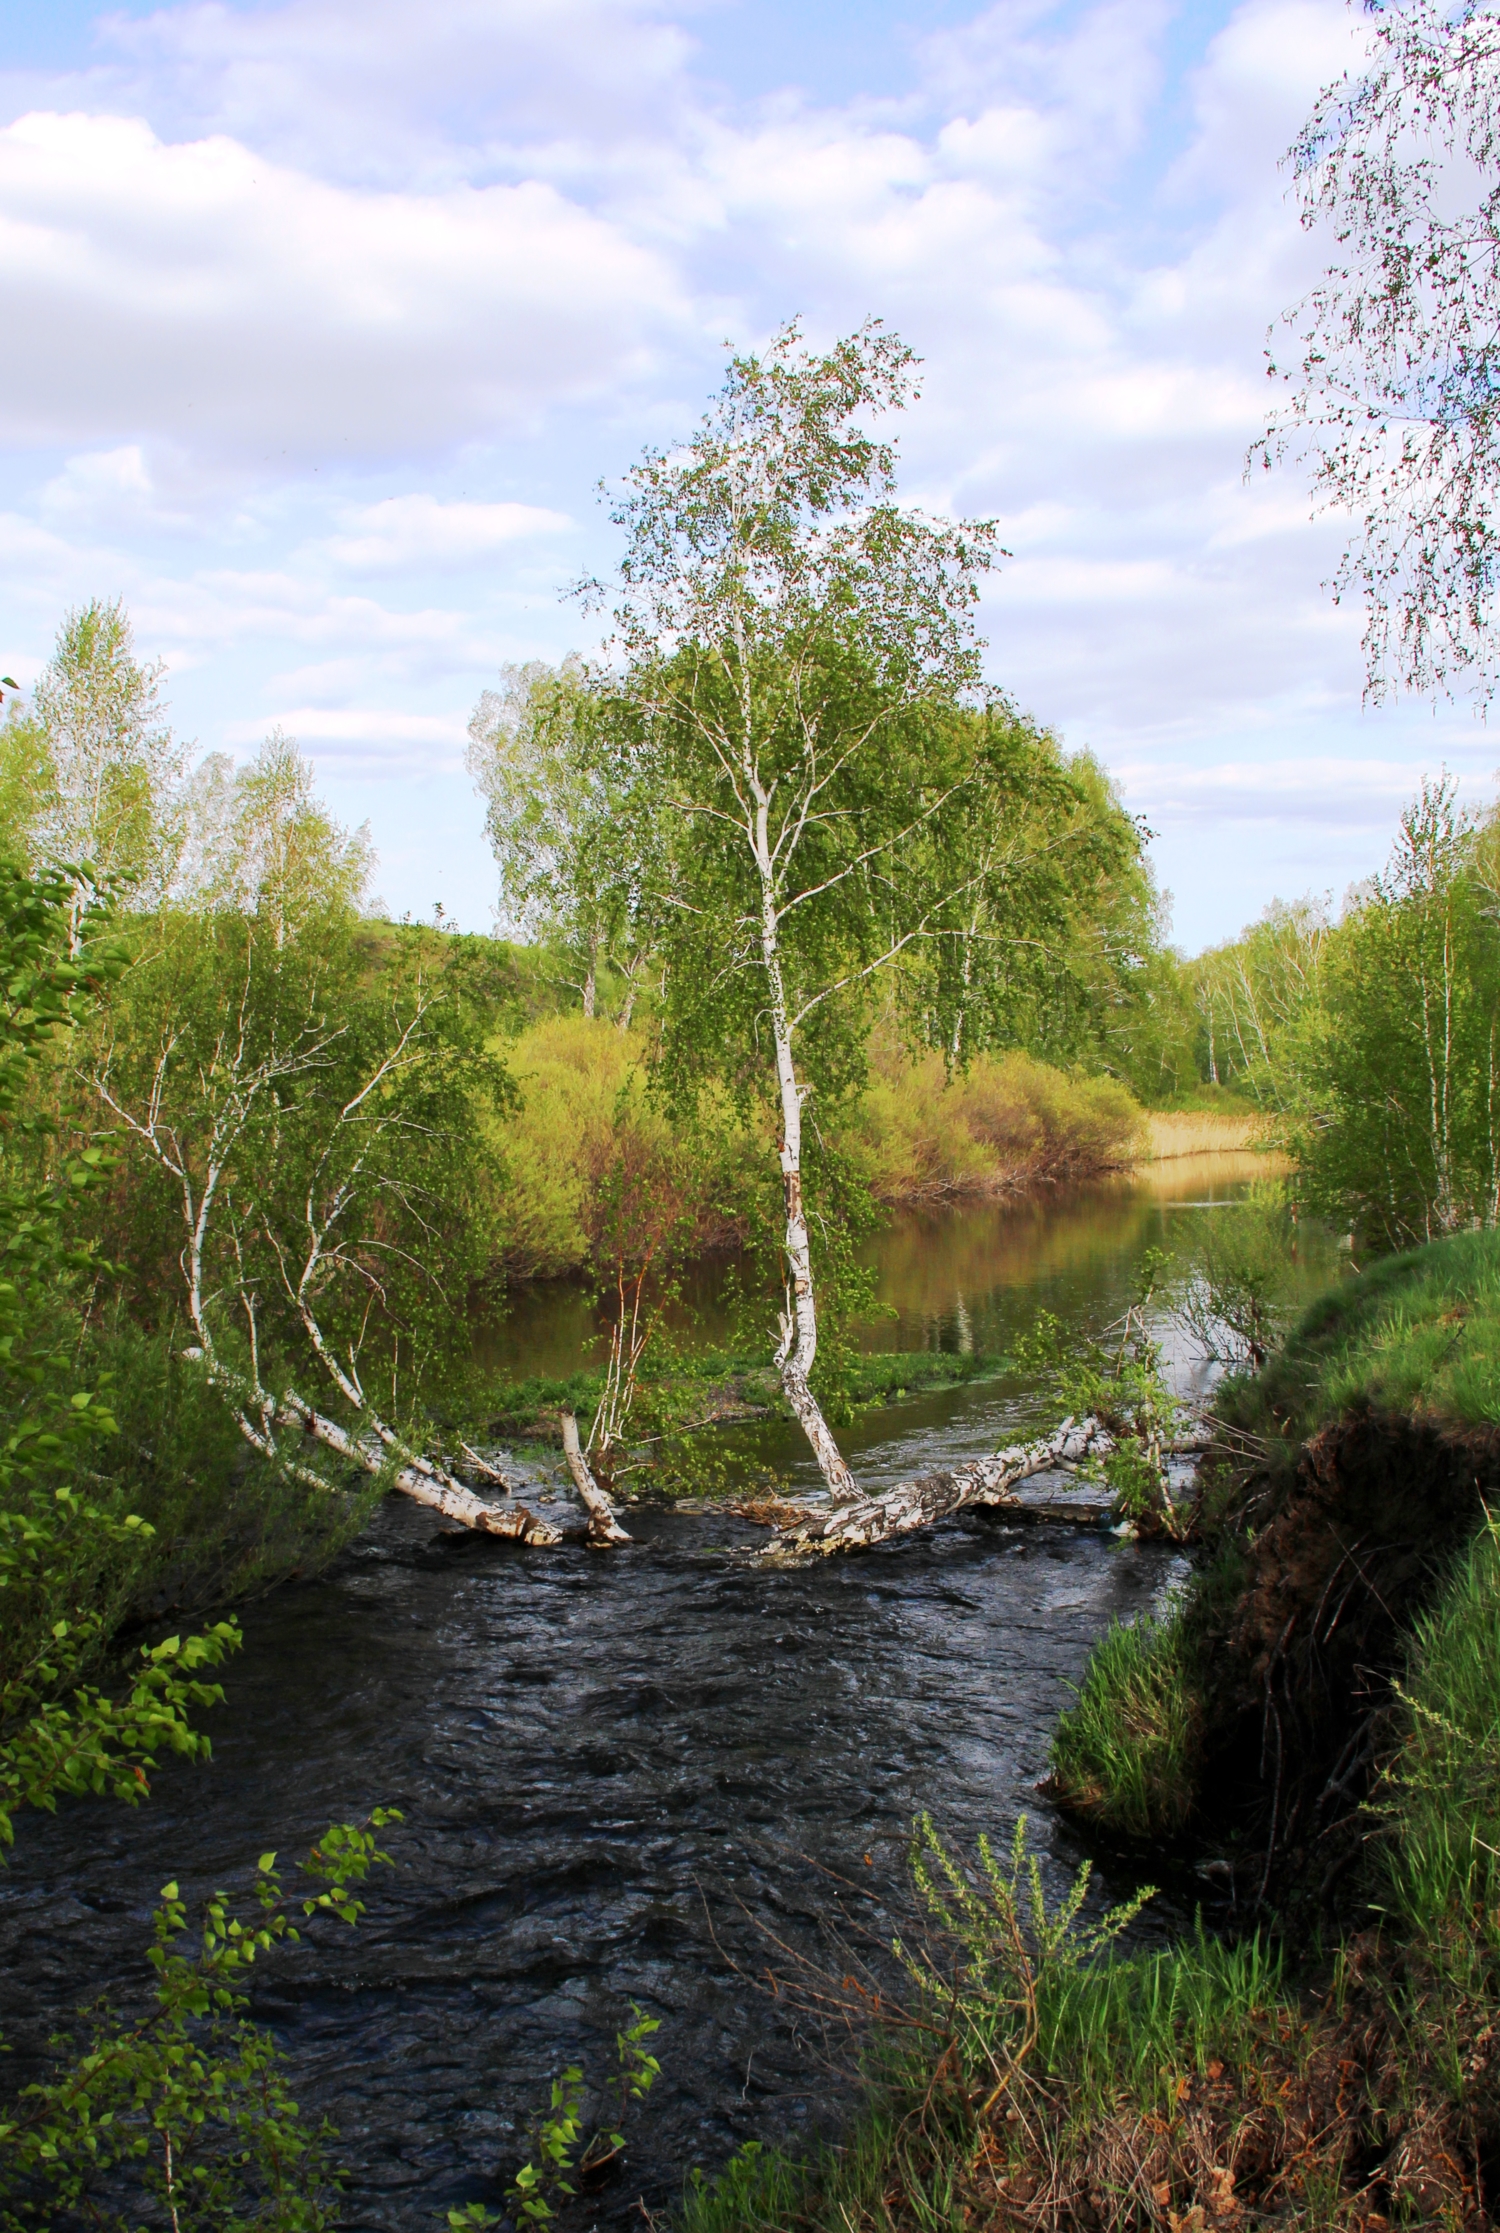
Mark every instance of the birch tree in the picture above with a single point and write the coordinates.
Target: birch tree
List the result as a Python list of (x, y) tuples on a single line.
[(1404, 1140), (304, 1137), (567, 834), (258, 839), (93, 772), (1393, 359), (799, 655)]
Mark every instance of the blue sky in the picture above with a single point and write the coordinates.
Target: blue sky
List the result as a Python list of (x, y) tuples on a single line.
[(324, 317)]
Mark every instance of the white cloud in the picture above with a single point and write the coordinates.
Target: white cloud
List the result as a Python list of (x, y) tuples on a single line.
[(201, 292), (363, 732), (419, 531), (314, 291)]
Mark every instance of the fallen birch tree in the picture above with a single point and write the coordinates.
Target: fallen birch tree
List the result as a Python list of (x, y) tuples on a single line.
[(864, 1520), (310, 1139)]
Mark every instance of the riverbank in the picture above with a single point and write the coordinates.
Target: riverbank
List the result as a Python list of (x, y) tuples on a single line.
[(915, 1135), (1310, 1727)]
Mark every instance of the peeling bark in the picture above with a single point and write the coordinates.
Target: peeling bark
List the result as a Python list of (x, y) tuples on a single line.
[(863, 1520), (603, 1526), (799, 1321), (416, 1477)]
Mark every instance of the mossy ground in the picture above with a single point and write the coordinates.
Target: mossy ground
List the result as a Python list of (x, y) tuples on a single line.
[(720, 1388)]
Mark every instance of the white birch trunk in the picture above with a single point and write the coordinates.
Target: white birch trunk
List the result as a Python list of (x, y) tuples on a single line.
[(799, 1322), (603, 1526), (423, 1482), (912, 1504)]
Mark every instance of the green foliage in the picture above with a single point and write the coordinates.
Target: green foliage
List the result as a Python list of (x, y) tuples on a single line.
[(921, 1130), (574, 840), (91, 772), (555, 2159), (997, 1923), (55, 1745), (1258, 1002), (1120, 1382), (258, 840), (1403, 1141), (1239, 1278), (223, 1521), (1418, 1332), (58, 1733), (1126, 1755), (1441, 1795), (187, 2111), (554, 2144), (309, 1139)]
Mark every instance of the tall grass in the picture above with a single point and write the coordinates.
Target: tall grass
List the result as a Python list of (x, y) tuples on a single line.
[(1126, 1755), (1174, 1132), (1441, 1794)]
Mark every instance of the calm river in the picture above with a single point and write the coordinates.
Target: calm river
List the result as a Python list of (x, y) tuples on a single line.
[(621, 1772)]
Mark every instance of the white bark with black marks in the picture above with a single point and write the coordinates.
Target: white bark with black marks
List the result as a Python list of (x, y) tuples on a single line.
[(864, 1520), (604, 1528)]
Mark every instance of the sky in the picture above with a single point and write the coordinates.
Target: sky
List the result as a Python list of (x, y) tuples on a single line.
[(325, 319)]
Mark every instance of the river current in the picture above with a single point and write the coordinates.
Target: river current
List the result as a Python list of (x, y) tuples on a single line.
[(650, 1775)]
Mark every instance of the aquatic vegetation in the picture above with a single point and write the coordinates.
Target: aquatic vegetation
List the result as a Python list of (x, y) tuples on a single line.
[(1127, 1754)]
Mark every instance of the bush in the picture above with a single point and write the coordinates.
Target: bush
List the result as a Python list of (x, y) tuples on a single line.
[(1006, 1121)]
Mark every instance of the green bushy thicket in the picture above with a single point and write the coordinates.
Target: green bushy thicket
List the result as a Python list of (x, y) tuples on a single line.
[(915, 1133)]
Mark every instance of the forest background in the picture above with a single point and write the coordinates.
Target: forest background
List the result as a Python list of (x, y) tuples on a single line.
[(522, 1132)]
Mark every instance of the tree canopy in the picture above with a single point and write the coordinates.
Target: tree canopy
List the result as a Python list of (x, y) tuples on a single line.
[(1396, 351)]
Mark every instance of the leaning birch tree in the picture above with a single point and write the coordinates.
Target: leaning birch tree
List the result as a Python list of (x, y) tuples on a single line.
[(802, 670)]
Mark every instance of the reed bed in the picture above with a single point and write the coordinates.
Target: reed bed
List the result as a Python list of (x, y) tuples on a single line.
[(1174, 1132)]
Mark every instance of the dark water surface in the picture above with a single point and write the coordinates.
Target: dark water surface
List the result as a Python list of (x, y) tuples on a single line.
[(622, 1773)]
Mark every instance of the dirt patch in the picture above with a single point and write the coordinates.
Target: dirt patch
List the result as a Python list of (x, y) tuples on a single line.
[(1298, 1680)]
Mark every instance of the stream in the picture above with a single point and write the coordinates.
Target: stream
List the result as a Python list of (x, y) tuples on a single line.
[(631, 1776)]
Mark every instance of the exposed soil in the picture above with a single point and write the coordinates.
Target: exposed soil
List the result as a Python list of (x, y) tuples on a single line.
[(1346, 1553)]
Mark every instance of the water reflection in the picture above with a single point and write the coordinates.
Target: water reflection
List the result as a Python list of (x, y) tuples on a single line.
[(956, 1276)]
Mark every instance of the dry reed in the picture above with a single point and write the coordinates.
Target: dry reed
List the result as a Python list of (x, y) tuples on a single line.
[(1174, 1132)]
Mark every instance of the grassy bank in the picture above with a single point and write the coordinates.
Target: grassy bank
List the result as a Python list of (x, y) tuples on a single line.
[(1318, 1718), (719, 1388)]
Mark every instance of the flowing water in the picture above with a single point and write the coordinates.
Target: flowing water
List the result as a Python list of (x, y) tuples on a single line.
[(639, 1775)]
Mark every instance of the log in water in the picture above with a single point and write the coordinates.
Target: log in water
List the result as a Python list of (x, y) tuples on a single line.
[(618, 1772)]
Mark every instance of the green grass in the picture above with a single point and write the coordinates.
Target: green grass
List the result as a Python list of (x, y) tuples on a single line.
[(1417, 1332), (1126, 1755), (1441, 1797)]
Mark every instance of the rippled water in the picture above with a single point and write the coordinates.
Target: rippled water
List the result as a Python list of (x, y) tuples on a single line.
[(623, 1774)]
